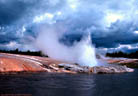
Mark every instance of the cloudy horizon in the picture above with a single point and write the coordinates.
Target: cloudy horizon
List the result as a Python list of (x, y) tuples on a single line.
[(113, 24)]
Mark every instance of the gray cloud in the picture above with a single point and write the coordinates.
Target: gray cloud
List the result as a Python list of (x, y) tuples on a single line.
[(111, 22)]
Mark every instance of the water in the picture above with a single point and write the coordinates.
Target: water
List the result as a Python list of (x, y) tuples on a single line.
[(45, 84)]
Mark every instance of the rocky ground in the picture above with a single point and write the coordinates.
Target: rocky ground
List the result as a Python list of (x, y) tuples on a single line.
[(131, 63), (12, 64)]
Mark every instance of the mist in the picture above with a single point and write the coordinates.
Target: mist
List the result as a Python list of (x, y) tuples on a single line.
[(81, 52)]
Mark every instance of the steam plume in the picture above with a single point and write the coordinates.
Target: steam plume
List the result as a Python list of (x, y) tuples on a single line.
[(81, 52)]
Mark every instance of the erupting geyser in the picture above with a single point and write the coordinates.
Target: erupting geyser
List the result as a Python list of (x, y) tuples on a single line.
[(81, 52)]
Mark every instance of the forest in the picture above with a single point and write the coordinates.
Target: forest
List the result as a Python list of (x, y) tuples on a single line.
[(123, 54), (31, 53)]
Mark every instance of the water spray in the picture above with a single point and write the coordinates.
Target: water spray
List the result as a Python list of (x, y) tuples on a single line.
[(81, 52)]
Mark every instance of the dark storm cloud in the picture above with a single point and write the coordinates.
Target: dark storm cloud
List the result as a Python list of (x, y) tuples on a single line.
[(11, 11), (118, 33), (111, 22), (16, 19), (7, 39)]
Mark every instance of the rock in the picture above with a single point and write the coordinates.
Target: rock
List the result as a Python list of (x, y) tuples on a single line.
[(11, 63), (131, 63), (71, 67), (97, 69), (52, 66), (112, 69)]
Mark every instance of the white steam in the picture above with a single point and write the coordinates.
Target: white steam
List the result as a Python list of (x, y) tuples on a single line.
[(81, 52)]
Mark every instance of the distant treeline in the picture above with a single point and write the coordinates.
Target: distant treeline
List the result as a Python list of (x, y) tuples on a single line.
[(122, 54), (32, 53)]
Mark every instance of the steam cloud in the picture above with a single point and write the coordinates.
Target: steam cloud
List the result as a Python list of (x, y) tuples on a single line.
[(81, 52)]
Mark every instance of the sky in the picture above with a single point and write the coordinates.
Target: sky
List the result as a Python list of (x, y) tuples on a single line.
[(113, 25)]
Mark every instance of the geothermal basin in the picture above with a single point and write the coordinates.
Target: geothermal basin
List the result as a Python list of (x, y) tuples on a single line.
[(13, 63)]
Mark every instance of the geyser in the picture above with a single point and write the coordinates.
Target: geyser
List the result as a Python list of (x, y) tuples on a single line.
[(81, 52)]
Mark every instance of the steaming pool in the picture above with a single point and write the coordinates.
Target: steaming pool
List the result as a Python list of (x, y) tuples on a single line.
[(45, 84)]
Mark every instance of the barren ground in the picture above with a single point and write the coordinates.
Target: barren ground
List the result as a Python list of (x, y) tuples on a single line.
[(14, 63)]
